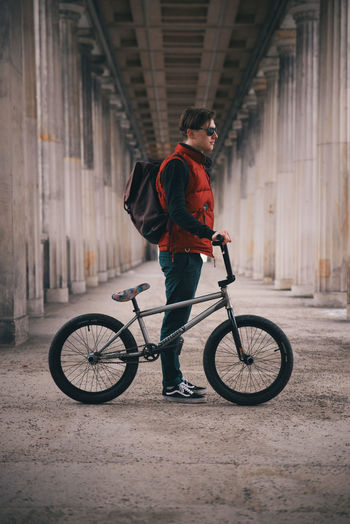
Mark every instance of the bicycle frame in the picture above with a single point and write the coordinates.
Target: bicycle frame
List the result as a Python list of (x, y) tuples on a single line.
[(224, 301), (139, 315)]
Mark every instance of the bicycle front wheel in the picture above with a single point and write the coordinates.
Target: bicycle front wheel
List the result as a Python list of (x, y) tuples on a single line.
[(269, 365), (77, 374)]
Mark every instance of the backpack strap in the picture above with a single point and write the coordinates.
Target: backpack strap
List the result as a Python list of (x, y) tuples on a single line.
[(175, 155)]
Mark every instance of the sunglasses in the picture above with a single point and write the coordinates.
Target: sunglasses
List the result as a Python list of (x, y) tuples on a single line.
[(210, 130)]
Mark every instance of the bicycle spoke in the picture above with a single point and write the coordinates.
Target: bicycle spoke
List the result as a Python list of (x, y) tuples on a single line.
[(78, 338), (100, 375), (110, 374), (244, 378)]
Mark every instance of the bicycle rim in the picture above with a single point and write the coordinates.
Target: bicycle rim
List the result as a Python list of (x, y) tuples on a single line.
[(92, 378), (81, 374), (254, 378), (263, 375)]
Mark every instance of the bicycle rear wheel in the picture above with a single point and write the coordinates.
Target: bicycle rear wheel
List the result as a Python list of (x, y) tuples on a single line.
[(269, 367), (92, 382)]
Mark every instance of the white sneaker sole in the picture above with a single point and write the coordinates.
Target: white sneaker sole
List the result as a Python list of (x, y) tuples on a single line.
[(184, 400)]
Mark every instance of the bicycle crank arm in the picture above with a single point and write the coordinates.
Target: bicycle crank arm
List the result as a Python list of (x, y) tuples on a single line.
[(124, 356)]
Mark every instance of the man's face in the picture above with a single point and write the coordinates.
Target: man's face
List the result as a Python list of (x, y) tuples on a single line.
[(200, 140)]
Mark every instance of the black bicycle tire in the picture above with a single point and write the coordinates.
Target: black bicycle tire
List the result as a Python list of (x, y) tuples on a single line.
[(248, 398), (58, 374)]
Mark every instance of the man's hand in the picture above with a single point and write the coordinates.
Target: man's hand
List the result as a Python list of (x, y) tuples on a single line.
[(225, 234)]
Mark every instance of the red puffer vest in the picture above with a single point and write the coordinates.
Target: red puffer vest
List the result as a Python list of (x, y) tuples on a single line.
[(199, 202)]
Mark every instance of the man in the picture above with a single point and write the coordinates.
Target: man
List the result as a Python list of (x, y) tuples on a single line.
[(184, 191)]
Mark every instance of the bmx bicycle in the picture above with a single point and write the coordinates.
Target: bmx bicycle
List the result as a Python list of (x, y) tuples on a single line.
[(247, 359)]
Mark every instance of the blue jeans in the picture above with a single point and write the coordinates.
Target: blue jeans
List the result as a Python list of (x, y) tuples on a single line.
[(181, 281)]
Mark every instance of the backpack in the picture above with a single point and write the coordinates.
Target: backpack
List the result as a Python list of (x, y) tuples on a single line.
[(141, 201)]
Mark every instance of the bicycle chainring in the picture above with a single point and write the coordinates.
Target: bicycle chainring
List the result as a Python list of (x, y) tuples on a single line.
[(150, 353)]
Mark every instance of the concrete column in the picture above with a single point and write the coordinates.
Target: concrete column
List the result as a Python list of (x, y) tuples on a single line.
[(242, 131), (50, 132), (270, 67), (259, 85), (114, 263), (35, 297), (116, 186), (99, 183), (333, 154), (226, 188), (127, 226), (234, 191), (240, 185), (251, 105), (306, 18), (124, 226), (247, 185), (348, 164), (88, 173), (13, 303), (219, 186), (285, 207), (70, 13), (108, 193)]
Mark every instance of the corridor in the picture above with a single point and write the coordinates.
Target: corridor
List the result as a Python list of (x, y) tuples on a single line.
[(88, 87), (139, 459)]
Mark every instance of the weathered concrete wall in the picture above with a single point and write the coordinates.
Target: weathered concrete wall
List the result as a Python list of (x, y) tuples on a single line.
[(13, 304), (282, 183), (35, 296), (333, 156), (65, 157), (301, 148), (285, 227)]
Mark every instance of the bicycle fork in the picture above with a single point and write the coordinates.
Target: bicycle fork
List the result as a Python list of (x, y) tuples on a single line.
[(243, 357)]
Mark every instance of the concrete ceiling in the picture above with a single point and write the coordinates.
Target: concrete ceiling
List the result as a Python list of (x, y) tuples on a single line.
[(171, 54)]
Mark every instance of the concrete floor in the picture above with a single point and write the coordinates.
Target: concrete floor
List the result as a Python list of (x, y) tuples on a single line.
[(139, 459)]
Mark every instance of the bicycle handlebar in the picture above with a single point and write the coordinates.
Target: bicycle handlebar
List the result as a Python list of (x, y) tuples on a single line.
[(225, 255), (219, 240)]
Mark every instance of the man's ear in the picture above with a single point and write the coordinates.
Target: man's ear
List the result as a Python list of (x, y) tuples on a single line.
[(190, 133)]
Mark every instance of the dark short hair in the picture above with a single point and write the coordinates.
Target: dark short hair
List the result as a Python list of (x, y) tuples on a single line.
[(194, 118)]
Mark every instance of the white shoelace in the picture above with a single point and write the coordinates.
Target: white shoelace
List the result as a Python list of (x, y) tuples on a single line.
[(183, 388)]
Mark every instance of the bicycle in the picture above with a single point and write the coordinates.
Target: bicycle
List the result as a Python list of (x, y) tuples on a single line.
[(247, 359)]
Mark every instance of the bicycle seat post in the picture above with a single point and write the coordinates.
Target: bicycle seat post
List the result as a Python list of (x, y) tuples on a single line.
[(136, 307), (140, 321)]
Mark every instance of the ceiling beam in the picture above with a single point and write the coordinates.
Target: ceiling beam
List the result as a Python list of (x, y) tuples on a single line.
[(273, 19), (106, 47)]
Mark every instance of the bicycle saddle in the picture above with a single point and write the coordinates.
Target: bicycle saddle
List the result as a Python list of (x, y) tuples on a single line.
[(129, 294)]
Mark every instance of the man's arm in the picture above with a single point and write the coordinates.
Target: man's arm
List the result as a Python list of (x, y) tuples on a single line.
[(175, 180)]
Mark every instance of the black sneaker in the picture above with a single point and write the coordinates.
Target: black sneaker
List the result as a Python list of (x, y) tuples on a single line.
[(182, 393), (196, 389)]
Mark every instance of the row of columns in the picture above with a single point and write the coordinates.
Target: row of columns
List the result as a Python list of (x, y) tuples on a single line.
[(286, 164), (65, 158)]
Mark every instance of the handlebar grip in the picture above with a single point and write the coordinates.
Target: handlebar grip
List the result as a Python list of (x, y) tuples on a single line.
[(218, 241)]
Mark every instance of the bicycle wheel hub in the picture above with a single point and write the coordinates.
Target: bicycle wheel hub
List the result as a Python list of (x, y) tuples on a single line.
[(92, 358), (248, 359)]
